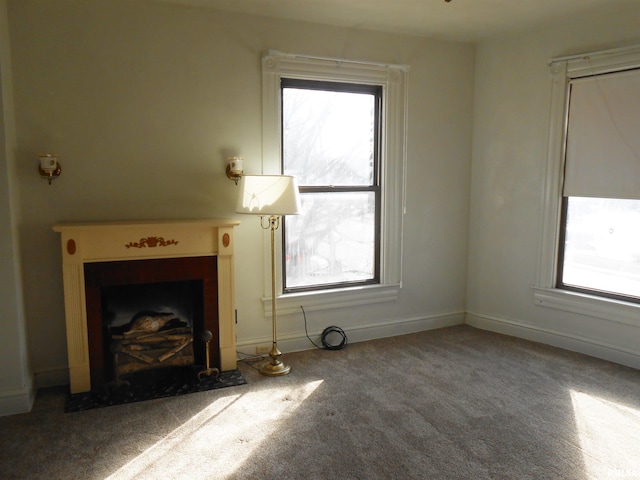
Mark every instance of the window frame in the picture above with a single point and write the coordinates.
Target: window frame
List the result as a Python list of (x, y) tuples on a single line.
[(393, 81), (375, 186), (547, 291)]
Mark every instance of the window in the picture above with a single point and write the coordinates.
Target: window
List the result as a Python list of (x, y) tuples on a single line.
[(330, 139), (367, 174), (601, 248), (600, 251), (590, 258)]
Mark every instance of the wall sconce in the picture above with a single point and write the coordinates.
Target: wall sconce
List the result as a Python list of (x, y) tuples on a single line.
[(234, 168), (49, 167)]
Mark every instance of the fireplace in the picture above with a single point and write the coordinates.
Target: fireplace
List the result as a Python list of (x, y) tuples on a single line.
[(146, 291), (155, 311)]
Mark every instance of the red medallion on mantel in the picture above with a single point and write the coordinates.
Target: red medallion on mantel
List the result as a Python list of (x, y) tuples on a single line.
[(226, 240), (71, 246)]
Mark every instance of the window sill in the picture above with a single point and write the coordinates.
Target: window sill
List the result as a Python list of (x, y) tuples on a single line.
[(591, 305), (326, 299)]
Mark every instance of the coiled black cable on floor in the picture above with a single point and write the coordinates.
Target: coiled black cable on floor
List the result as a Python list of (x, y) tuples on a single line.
[(329, 331), (333, 331)]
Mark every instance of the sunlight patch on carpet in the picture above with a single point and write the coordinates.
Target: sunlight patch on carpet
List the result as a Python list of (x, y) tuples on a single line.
[(223, 436), (609, 437)]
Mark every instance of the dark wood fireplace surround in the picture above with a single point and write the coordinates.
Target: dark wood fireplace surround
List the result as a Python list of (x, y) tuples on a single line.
[(103, 274)]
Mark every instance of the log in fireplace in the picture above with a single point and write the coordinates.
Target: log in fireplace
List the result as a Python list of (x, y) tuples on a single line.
[(151, 289), (152, 325)]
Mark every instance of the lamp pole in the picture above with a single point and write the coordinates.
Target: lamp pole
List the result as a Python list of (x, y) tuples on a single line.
[(274, 367)]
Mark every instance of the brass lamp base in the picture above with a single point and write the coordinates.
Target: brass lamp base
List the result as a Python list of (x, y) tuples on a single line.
[(274, 367)]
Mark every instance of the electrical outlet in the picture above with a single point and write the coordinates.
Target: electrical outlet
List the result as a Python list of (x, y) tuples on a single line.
[(263, 349)]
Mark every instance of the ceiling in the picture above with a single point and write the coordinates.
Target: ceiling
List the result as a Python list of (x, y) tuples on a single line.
[(461, 20)]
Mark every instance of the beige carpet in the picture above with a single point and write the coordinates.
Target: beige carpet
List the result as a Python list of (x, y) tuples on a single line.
[(455, 403)]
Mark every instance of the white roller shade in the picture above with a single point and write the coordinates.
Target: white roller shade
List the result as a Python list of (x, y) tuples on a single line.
[(603, 137)]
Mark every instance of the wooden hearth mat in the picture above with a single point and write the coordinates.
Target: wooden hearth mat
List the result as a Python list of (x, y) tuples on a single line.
[(166, 382)]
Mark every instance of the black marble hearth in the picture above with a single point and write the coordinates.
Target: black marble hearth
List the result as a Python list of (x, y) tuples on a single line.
[(152, 384)]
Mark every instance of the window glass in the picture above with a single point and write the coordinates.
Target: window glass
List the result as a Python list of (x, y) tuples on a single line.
[(328, 136), (333, 242), (602, 245)]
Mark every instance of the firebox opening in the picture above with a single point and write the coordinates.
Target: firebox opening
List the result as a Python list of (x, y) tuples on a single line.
[(151, 326)]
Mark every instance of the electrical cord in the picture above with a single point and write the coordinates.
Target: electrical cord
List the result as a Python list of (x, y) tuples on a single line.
[(250, 359), (333, 330)]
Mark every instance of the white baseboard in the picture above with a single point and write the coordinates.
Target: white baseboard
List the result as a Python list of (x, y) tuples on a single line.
[(387, 328), (17, 401), (568, 341), (358, 333)]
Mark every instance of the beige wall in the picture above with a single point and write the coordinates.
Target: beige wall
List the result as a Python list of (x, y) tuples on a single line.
[(16, 389), (144, 102), (511, 130)]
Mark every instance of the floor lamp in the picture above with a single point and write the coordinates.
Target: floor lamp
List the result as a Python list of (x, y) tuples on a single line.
[(271, 197)]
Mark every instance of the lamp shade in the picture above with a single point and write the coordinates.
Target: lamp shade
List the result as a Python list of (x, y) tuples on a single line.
[(269, 195)]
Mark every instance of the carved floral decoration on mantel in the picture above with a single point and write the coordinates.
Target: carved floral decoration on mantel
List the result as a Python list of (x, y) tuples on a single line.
[(151, 242)]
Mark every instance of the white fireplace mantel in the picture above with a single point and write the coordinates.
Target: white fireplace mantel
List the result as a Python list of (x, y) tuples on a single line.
[(114, 241)]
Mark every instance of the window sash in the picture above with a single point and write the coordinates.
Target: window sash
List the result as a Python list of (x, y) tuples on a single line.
[(600, 250), (341, 279), (602, 161), (374, 186)]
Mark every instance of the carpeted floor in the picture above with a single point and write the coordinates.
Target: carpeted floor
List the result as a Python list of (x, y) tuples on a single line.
[(454, 403)]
